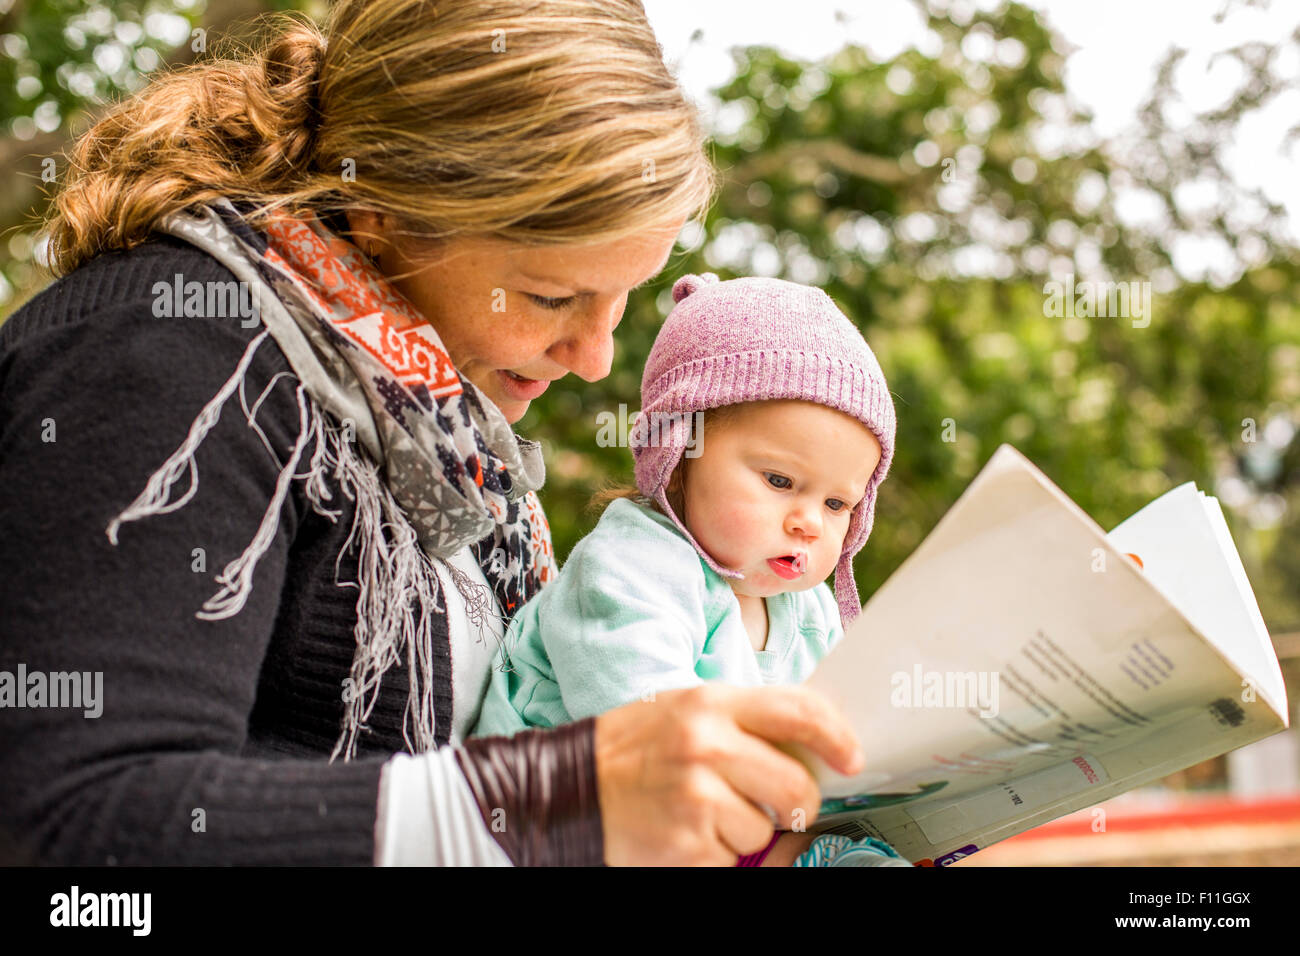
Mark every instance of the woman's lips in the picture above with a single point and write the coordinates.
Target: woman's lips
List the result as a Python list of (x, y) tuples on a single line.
[(789, 566), (521, 389)]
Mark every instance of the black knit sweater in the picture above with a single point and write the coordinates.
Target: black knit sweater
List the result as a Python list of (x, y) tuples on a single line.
[(214, 739)]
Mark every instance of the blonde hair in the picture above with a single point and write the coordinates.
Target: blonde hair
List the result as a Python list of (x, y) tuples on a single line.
[(717, 417), (555, 123)]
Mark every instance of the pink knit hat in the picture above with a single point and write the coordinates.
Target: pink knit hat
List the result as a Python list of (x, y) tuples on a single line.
[(748, 340)]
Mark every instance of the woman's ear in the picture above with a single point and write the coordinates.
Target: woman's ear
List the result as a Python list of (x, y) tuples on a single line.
[(368, 229)]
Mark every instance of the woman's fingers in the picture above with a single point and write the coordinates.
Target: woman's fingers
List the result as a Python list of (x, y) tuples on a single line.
[(766, 777), (742, 828), (798, 715), (682, 779)]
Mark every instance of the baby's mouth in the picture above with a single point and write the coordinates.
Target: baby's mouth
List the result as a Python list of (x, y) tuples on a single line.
[(789, 566)]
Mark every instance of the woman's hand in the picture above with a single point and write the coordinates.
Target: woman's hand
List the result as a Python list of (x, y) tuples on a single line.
[(679, 777)]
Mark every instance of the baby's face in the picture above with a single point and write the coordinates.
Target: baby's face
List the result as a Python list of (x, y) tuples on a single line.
[(772, 492)]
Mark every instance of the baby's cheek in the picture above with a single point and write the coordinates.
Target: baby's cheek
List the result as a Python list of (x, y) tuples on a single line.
[(738, 529), (834, 547)]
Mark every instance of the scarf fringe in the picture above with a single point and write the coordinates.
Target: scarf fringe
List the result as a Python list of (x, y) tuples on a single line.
[(394, 572), (153, 500), (391, 575)]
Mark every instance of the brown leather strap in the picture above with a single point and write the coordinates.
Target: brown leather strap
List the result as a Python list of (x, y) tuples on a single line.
[(537, 793)]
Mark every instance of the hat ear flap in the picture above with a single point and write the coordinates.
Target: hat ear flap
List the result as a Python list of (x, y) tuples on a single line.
[(860, 524), (690, 283), (670, 433)]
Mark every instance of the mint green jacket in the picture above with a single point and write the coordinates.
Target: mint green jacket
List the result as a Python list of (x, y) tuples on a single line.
[(635, 610)]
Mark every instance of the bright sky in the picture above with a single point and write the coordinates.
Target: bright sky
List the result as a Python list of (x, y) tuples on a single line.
[(1118, 43)]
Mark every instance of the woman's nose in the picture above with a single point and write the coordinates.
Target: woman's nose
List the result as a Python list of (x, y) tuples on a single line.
[(588, 350)]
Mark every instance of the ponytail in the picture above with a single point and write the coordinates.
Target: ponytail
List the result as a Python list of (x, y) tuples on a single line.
[(244, 130)]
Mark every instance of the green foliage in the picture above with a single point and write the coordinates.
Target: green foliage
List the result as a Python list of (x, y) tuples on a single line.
[(932, 196), (64, 61), (59, 55), (931, 199)]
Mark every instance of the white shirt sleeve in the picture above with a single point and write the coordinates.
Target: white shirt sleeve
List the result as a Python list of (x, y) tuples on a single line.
[(472, 647), (428, 816)]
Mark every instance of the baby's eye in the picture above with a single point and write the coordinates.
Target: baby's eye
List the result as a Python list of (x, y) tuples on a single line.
[(835, 504), (775, 480), (549, 303)]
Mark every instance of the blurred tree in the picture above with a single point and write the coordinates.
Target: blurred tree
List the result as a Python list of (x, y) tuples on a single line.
[(61, 61), (933, 196)]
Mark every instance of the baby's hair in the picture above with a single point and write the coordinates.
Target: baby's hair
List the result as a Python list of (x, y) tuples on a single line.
[(612, 491)]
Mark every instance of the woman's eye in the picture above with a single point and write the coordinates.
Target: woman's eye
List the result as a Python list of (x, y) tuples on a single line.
[(549, 303), (775, 480)]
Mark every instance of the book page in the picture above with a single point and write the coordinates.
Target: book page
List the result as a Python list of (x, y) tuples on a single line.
[(1187, 552), (1015, 639), (943, 831)]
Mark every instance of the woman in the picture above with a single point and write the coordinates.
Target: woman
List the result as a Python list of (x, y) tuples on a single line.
[(385, 239)]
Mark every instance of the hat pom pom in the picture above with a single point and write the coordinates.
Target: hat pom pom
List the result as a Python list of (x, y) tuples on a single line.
[(688, 284)]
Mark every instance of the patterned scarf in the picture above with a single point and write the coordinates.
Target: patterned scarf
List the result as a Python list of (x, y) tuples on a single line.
[(443, 469)]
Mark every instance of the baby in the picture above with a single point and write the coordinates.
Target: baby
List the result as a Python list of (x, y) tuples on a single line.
[(766, 427)]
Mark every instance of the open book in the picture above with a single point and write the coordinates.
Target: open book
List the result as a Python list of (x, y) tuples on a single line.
[(1023, 664)]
